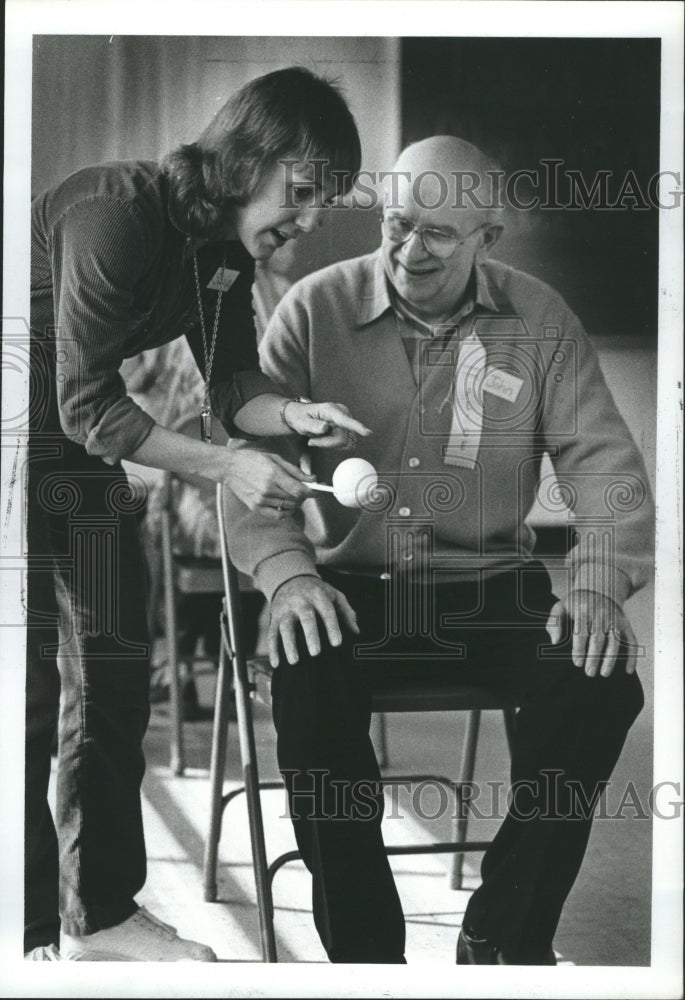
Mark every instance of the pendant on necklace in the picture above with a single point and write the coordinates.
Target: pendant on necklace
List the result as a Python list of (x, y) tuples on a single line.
[(206, 425)]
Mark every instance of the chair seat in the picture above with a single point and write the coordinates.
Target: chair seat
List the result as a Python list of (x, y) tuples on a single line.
[(196, 562), (405, 696), (437, 696), (198, 575)]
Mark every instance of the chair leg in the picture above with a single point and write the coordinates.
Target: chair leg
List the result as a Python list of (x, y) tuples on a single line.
[(380, 738), (248, 753), (217, 768), (460, 821), (509, 715), (176, 705)]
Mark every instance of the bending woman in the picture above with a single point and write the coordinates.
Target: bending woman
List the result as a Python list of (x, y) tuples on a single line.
[(127, 256)]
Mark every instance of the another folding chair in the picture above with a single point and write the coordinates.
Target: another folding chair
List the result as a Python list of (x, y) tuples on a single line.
[(184, 574), (253, 677)]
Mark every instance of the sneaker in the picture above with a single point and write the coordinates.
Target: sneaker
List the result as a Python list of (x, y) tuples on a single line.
[(141, 938), (44, 953)]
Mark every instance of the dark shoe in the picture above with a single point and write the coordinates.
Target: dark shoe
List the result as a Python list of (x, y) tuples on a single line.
[(192, 710), (191, 702), (473, 950), (160, 690)]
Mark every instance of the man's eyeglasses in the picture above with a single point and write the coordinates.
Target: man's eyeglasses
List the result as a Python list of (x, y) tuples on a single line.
[(436, 241)]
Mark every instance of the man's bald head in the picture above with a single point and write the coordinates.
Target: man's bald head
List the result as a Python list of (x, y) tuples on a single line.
[(444, 154), (444, 171)]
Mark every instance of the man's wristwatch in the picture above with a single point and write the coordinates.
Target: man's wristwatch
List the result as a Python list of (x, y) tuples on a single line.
[(287, 402)]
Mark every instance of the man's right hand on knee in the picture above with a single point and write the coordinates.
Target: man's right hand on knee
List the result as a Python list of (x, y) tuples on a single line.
[(298, 602)]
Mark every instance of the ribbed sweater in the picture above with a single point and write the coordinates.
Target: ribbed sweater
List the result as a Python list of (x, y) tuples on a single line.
[(459, 453)]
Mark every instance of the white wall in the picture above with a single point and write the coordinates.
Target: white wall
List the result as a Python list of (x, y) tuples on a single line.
[(99, 98)]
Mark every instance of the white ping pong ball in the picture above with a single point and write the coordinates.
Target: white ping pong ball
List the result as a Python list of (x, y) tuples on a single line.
[(354, 482)]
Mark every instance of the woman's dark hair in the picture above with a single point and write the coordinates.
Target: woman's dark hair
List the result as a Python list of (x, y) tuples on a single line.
[(287, 112)]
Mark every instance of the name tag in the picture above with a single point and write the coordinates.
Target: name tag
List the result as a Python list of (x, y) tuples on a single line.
[(223, 279), (467, 406), (502, 384)]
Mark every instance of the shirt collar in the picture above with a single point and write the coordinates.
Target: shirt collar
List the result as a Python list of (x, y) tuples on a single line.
[(375, 297)]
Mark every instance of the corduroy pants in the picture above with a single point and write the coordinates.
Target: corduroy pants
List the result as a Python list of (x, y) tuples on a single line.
[(88, 680)]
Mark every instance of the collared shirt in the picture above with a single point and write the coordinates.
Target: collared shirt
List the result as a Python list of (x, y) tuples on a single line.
[(420, 337), (524, 361), (111, 276), (417, 334)]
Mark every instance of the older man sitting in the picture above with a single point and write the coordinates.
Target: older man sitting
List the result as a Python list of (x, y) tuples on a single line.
[(467, 371)]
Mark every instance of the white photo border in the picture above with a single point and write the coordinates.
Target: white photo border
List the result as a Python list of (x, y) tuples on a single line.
[(509, 18)]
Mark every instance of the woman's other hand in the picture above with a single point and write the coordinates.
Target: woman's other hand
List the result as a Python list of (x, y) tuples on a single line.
[(258, 479), (265, 481)]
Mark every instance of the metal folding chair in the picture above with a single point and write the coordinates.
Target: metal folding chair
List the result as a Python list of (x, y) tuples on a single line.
[(183, 574), (252, 677)]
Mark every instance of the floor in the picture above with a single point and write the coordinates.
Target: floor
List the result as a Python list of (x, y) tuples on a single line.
[(606, 921)]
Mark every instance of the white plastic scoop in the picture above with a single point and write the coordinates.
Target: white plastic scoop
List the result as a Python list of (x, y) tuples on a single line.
[(354, 483)]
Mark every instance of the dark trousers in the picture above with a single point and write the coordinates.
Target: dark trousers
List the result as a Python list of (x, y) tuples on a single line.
[(491, 633), (87, 639), (198, 617)]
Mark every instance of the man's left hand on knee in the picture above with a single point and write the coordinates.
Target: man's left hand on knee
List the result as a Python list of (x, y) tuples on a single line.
[(600, 629), (297, 605)]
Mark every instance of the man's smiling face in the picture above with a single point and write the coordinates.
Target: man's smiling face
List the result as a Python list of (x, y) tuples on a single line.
[(431, 286)]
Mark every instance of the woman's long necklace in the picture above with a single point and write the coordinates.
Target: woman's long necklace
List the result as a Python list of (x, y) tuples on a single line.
[(205, 412)]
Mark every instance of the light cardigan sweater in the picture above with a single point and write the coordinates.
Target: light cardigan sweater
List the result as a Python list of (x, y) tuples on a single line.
[(458, 450)]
